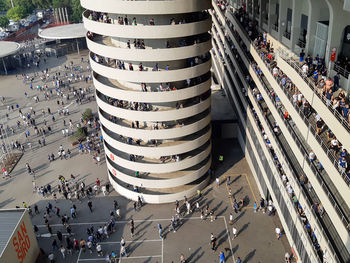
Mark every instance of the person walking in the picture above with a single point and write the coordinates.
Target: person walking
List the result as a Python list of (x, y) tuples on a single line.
[(76, 244), (160, 231), (59, 236), (51, 257), (54, 244), (212, 241), (234, 232), (182, 258), (132, 227), (89, 246), (63, 252), (99, 250), (222, 257), (90, 205)]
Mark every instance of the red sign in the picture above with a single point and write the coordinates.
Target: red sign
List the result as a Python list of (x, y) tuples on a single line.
[(333, 54), (111, 156), (21, 242), (114, 172)]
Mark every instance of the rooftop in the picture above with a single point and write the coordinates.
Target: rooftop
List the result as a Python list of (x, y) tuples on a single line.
[(70, 31), (8, 48), (9, 219)]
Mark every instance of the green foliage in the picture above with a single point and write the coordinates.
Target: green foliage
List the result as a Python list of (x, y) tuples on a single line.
[(16, 13), (3, 5), (81, 133), (77, 11), (4, 21), (26, 4), (41, 3), (87, 115)]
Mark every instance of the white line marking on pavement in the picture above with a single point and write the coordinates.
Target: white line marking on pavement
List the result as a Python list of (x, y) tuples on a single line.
[(124, 258), (131, 241), (126, 221), (229, 240), (79, 255), (162, 250)]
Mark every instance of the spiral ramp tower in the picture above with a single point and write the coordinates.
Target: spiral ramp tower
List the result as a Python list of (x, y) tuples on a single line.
[(151, 70)]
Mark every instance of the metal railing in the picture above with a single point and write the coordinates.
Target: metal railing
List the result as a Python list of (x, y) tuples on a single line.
[(321, 180), (306, 154), (311, 164), (344, 122), (342, 71), (332, 157), (290, 167)]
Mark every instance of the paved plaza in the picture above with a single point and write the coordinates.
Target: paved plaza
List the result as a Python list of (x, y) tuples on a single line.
[(255, 242)]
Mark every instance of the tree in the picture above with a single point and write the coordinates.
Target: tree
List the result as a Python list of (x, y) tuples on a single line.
[(42, 3), (17, 13), (77, 11), (3, 5), (81, 134), (4, 21), (87, 115)]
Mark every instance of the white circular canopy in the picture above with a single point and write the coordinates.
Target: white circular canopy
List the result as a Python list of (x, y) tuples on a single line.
[(8, 48), (70, 31)]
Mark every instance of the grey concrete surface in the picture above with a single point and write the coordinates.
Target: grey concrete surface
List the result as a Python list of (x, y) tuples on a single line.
[(255, 242)]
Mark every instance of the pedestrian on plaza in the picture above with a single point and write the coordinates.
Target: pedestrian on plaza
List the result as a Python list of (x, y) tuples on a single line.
[(51, 257), (123, 251), (139, 201), (160, 230), (135, 206), (73, 212), (99, 250), (212, 216), (234, 232), (69, 245), (63, 252), (89, 246), (59, 236), (90, 205), (217, 180), (115, 203), (212, 241), (132, 227), (57, 211), (49, 229), (54, 244), (36, 209), (278, 233), (69, 229), (117, 213), (228, 180), (238, 260), (83, 245), (104, 190), (222, 257), (76, 244)]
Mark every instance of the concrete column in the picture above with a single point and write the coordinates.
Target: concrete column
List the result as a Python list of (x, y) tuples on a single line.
[(295, 31), (272, 14), (338, 20), (282, 21), (65, 11), (60, 14), (77, 46), (56, 16), (63, 16), (3, 62), (318, 11), (249, 7)]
